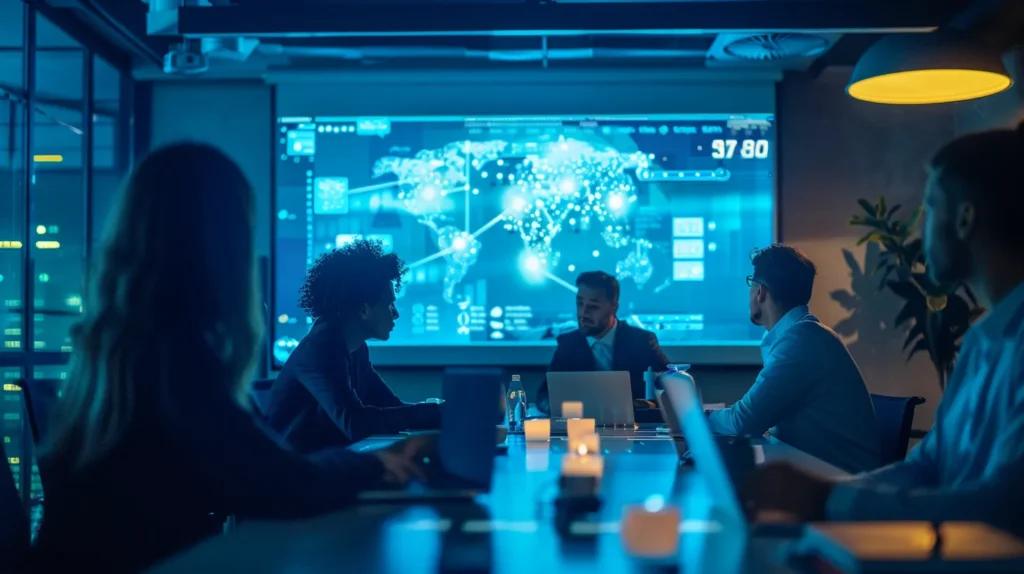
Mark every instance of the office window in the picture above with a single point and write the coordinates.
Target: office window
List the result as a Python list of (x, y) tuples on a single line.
[(108, 167), (58, 242)]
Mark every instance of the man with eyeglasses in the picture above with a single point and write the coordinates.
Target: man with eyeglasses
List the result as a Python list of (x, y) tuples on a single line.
[(810, 393)]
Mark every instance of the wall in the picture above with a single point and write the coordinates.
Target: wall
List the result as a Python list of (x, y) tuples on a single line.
[(833, 150)]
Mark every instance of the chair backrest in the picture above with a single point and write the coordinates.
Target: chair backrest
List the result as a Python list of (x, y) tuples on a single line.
[(258, 394), (14, 525), (895, 419), (40, 399)]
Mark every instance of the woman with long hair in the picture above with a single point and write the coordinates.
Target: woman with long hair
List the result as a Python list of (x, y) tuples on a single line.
[(152, 433)]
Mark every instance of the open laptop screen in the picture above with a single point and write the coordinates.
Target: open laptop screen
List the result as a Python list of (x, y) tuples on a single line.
[(681, 391), (472, 403)]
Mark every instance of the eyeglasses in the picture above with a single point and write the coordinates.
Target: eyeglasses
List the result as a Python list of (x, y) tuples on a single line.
[(751, 281)]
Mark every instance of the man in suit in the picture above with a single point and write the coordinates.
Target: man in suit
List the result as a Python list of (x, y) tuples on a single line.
[(328, 393), (602, 342)]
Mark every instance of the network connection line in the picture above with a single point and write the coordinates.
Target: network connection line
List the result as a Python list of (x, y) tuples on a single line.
[(374, 187), (560, 281)]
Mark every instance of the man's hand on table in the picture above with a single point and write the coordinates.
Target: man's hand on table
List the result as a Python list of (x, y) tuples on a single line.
[(781, 492), (403, 460)]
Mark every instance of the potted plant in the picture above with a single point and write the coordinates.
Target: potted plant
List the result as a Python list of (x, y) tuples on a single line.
[(937, 316)]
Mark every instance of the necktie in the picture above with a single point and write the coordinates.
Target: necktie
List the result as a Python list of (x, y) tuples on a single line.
[(602, 356)]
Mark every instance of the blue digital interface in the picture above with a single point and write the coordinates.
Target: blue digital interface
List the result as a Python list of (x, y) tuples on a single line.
[(496, 216)]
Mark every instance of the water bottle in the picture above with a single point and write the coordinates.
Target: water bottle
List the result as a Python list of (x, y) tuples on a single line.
[(516, 404)]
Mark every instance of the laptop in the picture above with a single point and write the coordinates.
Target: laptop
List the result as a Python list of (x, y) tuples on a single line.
[(684, 402), (668, 413), (607, 396), (466, 447)]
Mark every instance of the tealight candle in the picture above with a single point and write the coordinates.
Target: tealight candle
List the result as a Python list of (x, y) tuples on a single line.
[(572, 410), (537, 429), (650, 533), (587, 465), (585, 444), (578, 428)]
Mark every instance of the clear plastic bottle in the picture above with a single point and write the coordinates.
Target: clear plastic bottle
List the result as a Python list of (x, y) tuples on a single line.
[(516, 404)]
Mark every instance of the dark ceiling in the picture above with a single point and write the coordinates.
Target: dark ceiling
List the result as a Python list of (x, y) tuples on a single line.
[(530, 24)]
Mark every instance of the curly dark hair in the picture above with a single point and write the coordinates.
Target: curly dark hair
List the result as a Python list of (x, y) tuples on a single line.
[(343, 280)]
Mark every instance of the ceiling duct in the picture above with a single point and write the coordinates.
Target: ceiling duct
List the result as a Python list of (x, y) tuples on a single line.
[(777, 46), (458, 53)]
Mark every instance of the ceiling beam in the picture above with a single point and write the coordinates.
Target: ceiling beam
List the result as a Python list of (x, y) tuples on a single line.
[(573, 19), (103, 31)]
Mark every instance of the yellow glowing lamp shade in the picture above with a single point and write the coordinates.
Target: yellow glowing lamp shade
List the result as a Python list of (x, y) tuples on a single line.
[(935, 68)]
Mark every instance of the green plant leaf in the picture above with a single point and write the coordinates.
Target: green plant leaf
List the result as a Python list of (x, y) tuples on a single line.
[(908, 312), (926, 284), (915, 216), (893, 211), (869, 237), (922, 345), (880, 208), (915, 332), (905, 290), (867, 207)]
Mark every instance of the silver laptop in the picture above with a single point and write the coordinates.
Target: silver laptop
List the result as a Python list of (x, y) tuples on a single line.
[(607, 396), (684, 401)]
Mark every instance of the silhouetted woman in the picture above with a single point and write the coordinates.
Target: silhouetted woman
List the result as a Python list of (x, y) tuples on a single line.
[(152, 433)]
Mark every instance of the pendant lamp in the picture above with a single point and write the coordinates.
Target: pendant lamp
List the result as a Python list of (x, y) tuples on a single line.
[(930, 68)]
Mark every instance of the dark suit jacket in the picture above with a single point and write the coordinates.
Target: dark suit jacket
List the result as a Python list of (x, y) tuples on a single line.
[(635, 350), (325, 397), (151, 495)]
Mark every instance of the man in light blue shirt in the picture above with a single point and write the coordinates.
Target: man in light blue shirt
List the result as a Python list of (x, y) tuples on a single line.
[(810, 393), (971, 465)]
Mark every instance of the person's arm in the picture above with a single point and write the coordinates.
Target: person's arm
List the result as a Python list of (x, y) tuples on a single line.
[(781, 385), (329, 384), (424, 416), (996, 499), (251, 475), (658, 360)]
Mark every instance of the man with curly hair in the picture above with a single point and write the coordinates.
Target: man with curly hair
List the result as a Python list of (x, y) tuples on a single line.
[(328, 393)]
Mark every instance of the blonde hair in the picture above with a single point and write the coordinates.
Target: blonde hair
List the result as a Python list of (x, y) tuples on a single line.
[(172, 313)]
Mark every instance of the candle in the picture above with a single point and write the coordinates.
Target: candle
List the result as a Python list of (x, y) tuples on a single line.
[(587, 465), (578, 428), (650, 533), (585, 444), (537, 429), (572, 410)]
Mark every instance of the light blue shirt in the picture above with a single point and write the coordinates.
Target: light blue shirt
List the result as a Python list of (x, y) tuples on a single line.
[(971, 465), (809, 394), (603, 348)]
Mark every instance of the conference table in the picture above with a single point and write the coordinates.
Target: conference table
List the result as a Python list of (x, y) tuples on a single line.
[(512, 528)]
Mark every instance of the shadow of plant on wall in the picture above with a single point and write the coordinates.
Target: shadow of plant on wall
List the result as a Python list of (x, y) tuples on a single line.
[(935, 317), (871, 311)]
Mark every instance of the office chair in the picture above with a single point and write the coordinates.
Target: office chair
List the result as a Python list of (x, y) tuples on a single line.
[(895, 419)]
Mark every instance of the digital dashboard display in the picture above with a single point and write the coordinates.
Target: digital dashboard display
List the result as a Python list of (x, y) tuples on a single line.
[(496, 216)]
